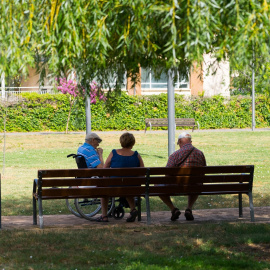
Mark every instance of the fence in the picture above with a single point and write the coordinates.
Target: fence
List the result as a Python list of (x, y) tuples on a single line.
[(15, 93)]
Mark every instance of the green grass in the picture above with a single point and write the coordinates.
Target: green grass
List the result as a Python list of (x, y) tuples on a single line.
[(231, 246), (185, 246), (25, 154)]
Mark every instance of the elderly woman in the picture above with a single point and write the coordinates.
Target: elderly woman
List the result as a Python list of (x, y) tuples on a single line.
[(121, 158)]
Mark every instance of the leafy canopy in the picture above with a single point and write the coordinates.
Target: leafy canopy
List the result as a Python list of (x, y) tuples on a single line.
[(109, 39)]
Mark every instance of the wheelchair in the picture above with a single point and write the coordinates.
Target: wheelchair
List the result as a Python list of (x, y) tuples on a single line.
[(89, 207)]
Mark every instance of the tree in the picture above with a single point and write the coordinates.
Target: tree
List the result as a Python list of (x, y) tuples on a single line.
[(106, 39), (110, 39), (72, 89), (250, 47), (242, 79), (15, 33)]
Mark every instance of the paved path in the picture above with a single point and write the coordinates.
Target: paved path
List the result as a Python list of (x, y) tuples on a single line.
[(133, 131), (262, 215)]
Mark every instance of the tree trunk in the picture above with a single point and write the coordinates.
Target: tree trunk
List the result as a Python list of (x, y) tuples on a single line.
[(69, 113)]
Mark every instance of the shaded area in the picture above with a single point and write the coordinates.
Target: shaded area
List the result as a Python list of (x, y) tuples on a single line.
[(121, 245)]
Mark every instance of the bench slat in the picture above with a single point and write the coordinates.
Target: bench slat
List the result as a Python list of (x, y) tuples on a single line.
[(197, 189), (91, 172), (180, 122), (62, 182), (140, 191), (120, 181), (94, 192), (201, 170), (184, 180), (164, 121)]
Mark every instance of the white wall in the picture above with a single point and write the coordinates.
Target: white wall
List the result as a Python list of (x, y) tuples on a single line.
[(216, 77)]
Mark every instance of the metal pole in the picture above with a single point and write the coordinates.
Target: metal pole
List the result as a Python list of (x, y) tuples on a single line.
[(0, 205), (88, 115), (253, 99), (171, 113), (4, 147), (3, 84)]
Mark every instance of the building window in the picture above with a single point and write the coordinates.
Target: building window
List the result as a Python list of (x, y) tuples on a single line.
[(148, 81)]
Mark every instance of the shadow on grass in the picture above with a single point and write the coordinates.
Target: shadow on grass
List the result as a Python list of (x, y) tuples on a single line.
[(223, 246), (153, 156)]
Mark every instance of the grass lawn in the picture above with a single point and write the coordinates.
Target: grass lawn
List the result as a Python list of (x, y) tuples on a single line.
[(25, 154), (207, 246)]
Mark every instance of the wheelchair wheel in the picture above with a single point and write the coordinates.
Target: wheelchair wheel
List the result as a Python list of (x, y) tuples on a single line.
[(89, 207), (72, 207), (118, 212)]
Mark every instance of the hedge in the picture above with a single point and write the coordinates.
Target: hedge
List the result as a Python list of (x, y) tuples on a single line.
[(47, 112)]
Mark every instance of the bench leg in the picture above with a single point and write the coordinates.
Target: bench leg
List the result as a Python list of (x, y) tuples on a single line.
[(139, 208), (41, 224), (240, 205), (35, 202), (251, 206), (148, 209), (34, 211)]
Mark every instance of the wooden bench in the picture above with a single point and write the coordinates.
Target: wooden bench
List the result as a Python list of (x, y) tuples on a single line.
[(210, 180), (163, 122)]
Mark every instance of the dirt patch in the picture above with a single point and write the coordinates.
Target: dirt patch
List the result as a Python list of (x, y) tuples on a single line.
[(231, 215)]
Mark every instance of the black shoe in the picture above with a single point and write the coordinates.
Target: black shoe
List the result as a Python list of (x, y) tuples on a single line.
[(175, 214), (188, 214), (133, 215), (102, 219)]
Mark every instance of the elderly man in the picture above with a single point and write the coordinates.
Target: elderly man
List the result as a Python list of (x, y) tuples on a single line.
[(92, 154), (186, 156)]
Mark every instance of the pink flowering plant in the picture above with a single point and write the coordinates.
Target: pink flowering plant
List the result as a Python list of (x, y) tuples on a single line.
[(68, 87), (71, 88), (95, 93)]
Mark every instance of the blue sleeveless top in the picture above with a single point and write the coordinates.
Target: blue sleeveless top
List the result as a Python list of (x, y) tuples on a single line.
[(119, 161)]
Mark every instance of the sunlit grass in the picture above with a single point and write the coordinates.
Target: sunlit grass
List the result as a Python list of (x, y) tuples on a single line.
[(25, 154)]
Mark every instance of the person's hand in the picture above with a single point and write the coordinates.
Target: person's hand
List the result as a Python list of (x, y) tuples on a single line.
[(100, 151)]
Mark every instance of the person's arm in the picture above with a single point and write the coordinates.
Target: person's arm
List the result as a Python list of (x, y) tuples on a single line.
[(141, 160), (171, 161), (108, 161), (100, 154)]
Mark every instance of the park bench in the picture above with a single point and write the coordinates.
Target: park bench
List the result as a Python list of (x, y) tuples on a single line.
[(163, 122), (144, 182)]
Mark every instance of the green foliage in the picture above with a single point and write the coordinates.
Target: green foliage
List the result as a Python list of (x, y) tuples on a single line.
[(49, 112), (16, 28), (107, 40), (242, 82)]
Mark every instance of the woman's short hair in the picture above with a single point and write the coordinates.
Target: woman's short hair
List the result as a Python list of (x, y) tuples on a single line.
[(127, 140)]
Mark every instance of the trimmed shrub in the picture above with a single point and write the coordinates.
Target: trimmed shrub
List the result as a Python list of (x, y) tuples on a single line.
[(47, 112)]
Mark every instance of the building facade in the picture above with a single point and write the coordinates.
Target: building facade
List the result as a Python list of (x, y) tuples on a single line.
[(212, 79)]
